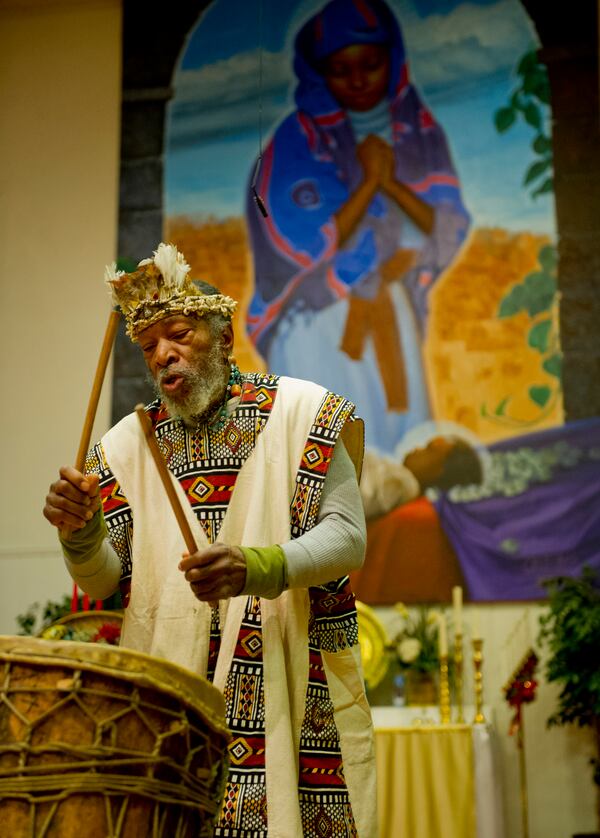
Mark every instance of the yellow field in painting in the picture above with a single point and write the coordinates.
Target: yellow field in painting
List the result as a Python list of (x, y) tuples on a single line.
[(474, 360), (218, 253)]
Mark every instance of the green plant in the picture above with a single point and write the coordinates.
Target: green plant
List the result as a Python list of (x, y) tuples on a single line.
[(571, 631), (36, 618)]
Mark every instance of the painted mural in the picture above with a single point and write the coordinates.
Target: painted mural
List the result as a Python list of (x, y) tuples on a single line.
[(405, 258)]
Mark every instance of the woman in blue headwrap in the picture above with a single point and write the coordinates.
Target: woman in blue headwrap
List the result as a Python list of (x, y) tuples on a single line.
[(364, 213)]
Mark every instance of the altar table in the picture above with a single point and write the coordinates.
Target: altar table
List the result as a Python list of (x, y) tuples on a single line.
[(434, 780)]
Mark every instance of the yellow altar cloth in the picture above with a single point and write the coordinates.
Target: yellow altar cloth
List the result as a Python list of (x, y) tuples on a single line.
[(426, 781)]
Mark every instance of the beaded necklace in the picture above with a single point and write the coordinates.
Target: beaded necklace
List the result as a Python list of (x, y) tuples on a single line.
[(234, 388)]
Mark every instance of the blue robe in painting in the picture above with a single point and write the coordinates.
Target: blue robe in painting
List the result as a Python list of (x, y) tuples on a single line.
[(320, 311)]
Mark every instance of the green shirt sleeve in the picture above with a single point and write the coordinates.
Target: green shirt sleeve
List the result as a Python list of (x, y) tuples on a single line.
[(84, 543), (266, 571)]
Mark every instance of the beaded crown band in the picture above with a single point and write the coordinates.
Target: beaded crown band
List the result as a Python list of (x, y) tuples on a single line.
[(159, 288)]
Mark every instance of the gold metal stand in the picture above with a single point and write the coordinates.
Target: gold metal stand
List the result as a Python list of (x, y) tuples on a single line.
[(523, 775), (444, 691), (478, 680), (521, 685), (458, 677)]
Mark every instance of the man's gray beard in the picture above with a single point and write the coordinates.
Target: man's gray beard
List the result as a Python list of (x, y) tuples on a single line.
[(206, 384)]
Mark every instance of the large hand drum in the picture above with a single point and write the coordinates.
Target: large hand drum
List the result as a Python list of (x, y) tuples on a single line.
[(102, 742)]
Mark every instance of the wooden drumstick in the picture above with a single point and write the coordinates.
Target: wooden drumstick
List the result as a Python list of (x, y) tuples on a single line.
[(84, 442), (165, 476)]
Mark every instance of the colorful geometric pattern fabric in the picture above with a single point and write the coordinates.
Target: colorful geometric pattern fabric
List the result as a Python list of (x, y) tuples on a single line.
[(116, 509), (325, 806), (333, 413), (206, 464), (244, 809)]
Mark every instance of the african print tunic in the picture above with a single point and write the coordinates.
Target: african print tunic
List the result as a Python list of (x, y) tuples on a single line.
[(206, 463)]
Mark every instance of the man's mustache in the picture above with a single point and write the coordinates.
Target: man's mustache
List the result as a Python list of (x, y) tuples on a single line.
[(173, 371)]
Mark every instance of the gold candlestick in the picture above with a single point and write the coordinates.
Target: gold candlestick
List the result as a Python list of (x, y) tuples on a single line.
[(444, 691), (478, 680), (458, 677)]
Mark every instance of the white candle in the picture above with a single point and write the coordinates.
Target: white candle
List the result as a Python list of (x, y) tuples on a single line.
[(476, 628), (457, 601), (443, 637)]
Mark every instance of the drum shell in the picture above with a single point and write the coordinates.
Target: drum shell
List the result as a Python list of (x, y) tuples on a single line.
[(101, 741)]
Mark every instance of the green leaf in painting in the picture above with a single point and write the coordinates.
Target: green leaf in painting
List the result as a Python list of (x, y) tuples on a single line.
[(539, 303), (534, 80), (542, 144), (501, 408), (536, 170), (528, 63), (543, 92), (513, 302), (548, 257), (540, 290), (547, 186), (553, 365), (539, 335), (533, 115), (517, 102), (504, 118), (540, 394), (539, 282)]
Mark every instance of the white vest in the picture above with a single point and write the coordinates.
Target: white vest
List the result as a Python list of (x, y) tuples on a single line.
[(164, 619)]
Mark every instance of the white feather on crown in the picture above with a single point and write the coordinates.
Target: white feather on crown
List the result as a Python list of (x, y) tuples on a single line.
[(171, 263)]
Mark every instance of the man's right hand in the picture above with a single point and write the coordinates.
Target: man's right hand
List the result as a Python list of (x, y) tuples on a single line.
[(73, 499)]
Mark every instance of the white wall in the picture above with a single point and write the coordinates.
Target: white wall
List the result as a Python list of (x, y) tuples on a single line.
[(59, 147), (59, 137)]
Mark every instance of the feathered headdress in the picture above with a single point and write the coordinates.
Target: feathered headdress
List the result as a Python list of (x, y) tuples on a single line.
[(159, 288)]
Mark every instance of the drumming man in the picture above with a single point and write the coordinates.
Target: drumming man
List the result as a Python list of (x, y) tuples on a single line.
[(266, 468)]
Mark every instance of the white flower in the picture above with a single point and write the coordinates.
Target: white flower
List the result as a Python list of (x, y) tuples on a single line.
[(409, 649)]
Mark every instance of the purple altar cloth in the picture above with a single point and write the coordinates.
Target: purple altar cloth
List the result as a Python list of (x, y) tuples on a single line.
[(507, 545)]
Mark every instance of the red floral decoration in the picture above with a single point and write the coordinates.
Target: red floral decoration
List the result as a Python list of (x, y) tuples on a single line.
[(521, 689), (108, 633)]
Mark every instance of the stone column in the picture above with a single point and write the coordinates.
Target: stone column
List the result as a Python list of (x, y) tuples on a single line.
[(153, 37), (570, 51)]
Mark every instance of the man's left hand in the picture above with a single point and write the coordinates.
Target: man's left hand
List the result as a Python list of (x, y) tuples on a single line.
[(219, 572)]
